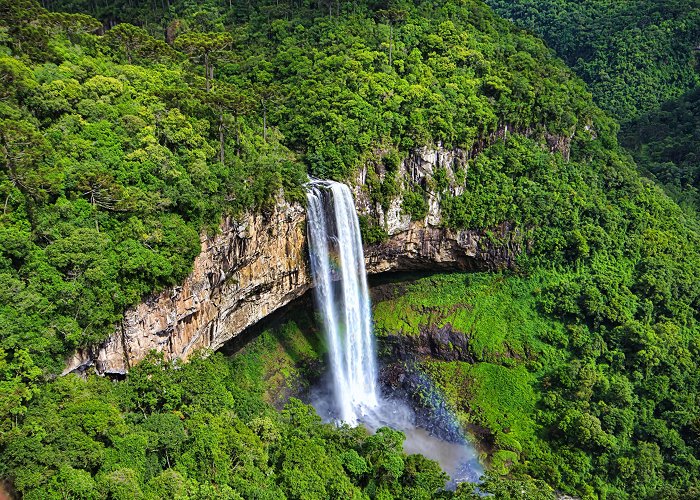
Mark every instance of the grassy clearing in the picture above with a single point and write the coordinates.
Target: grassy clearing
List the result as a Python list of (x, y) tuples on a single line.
[(497, 312)]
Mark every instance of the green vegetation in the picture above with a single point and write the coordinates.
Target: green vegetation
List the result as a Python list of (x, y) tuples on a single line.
[(110, 171), (119, 149), (591, 406), (635, 55), (206, 429), (415, 204), (281, 361), (354, 86), (666, 144), (497, 314), (371, 232), (198, 431), (510, 342), (641, 61)]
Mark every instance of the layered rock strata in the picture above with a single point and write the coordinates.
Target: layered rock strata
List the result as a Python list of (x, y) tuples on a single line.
[(244, 273), (254, 267)]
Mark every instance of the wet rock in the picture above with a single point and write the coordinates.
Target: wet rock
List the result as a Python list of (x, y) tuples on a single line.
[(442, 343)]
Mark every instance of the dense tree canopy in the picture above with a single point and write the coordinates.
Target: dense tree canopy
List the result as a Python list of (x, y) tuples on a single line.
[(118, 150), (635, 55), (640, 59), (666, 143), (192, 432), (122, 145)]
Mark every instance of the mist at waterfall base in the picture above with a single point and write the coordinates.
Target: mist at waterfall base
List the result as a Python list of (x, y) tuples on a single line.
[(349, 393)]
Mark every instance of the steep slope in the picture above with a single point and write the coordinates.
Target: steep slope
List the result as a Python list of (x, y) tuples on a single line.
[(116, 157), (640, 59), (259, 263), (666, 143), (634, 55), (568, 401)]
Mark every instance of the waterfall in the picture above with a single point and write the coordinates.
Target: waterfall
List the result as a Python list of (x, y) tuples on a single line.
[(340, 280)]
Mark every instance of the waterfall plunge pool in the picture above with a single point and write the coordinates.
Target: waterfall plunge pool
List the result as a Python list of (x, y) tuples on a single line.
[(456, 456)]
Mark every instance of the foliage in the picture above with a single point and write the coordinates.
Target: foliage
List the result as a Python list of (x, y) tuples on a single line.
[(635, 55), (415, 204), (284, 359), (640, 59), (196, 430), (666, 144), (371, 232), (583, 386), (373, 76), (109, 173), (119, 150)]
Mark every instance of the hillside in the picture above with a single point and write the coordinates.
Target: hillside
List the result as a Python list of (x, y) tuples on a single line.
[(635, 55), (666, 143), (640, 60), (119, 147)]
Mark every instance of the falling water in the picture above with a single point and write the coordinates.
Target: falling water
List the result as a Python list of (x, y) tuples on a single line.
[(338, 267)]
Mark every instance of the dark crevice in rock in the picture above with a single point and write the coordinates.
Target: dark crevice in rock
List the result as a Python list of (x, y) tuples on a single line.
[(441, 343)]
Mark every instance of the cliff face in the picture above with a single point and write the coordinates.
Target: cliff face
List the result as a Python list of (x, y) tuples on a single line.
[(247, 271), (254, 267), (426, 244)]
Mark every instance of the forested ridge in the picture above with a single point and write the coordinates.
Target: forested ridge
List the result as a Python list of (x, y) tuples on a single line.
[(641, 60), (666, 143), (635, 55), (121, 144)]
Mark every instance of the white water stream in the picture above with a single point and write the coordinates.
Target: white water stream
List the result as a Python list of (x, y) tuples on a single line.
[(338, 267), (340, 280)]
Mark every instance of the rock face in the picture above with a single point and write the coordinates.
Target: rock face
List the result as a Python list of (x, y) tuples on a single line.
[(425, 248), (243, 274), (443, 343), (253, 267), (427, 244)]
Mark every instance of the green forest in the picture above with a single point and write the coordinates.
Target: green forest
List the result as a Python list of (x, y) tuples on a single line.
[(641, 61), (128, 129), (634, 55)]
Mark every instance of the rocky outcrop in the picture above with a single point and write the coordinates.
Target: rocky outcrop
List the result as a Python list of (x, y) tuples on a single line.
[(244, 273), (253, 267), (427, 244), (443, 343), (426, 248)]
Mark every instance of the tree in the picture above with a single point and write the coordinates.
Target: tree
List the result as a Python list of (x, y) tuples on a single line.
[(19, 379), (267, 94), (22, 147), (392, 15), (134, 41), (225, 99), (207, 47), (14, 77), (71, 24)]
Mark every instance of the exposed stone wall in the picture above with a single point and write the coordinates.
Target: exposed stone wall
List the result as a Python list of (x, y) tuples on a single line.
[(426, 248), (254, 267), (244, 273)]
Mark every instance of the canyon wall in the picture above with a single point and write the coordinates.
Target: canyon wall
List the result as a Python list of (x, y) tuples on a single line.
[(259, 264)]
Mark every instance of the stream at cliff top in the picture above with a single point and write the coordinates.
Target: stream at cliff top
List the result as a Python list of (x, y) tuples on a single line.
[(349, 393)]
